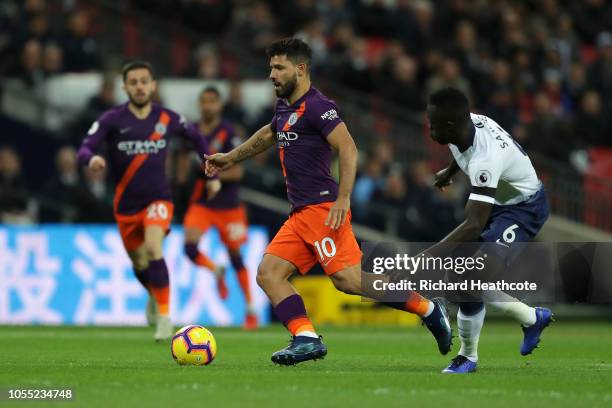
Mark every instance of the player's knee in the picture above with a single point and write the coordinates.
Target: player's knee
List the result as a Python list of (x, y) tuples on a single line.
[(268, 275), (191, 250), (153, 250), (264, 277), (140, 263), (345, 283)]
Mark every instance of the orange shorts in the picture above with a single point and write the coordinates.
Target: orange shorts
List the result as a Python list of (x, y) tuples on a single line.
[(231, 223), (131, 227), (304, 240)]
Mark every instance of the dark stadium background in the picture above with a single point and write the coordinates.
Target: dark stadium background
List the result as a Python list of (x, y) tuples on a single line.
[(542, 69), (71, 310)]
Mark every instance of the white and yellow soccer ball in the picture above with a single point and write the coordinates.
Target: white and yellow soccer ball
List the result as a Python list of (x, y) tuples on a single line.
[(193, 345)]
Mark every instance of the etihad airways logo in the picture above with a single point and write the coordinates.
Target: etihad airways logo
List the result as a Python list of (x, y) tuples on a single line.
[(132, 147), (285, 137)]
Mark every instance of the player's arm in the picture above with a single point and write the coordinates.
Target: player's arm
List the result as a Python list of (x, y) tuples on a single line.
[(96, 134), (233, 174), (477, 212), (191, 133), (484, 175), (261, 140), (342, 141), (444, 177)]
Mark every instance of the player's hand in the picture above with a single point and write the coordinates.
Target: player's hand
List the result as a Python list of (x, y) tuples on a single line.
[(217, 162), (337, 213), (443, 179), (212, 188), (97, 163)]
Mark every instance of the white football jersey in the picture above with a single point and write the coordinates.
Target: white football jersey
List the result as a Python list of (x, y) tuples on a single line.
[(495, 160)]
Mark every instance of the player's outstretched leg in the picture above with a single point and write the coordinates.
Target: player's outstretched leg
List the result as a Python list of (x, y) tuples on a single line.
[(432, 312), (533, 320), (305, 344), (250, 321), (200, 259), (470, 319)]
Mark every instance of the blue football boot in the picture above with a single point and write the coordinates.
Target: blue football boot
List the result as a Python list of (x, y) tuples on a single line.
[(460, 365), (300, 348), (438, 324), (532, 333)]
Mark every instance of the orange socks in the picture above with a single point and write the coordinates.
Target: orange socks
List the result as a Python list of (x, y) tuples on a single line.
[(162, 298), (300, 325), (415, 303), (159, 284), (292, 312), (192, 252), (418, 305), (206, 262)]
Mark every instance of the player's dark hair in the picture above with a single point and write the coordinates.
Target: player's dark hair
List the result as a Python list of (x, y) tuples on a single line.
[(130, 66), (451, 101), (211, 89), (296, 50)]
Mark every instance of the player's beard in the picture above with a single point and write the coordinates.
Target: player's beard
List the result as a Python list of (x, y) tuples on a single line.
[(140, 105), (286, 90), (209, 117)]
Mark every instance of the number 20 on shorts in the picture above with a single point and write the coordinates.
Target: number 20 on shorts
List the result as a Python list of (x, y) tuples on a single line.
[(157, 211)]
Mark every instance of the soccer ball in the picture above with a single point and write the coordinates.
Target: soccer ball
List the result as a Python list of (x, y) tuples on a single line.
[(193, 345)]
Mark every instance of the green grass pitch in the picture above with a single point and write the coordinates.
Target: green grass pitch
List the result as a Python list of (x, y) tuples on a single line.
[(378, 367)]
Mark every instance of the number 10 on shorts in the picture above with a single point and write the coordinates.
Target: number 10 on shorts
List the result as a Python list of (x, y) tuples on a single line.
[(326, 248)]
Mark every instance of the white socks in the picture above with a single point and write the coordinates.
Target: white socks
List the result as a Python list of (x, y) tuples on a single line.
[(519, 311), (308, 334), (430, 308), (469, 333), (525, 315)]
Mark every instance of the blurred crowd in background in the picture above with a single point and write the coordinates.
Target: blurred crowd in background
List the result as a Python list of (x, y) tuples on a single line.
[(541, 69)]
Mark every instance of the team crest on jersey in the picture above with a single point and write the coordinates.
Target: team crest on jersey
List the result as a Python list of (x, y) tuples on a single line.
[(160, 128), (292, 119), (483, 178)]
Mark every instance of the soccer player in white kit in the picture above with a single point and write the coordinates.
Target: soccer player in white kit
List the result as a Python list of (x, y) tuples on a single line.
[(491, 158)]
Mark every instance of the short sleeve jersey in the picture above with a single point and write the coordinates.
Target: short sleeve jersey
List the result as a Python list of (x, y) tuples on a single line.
[(496, 160), (301, 131)]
